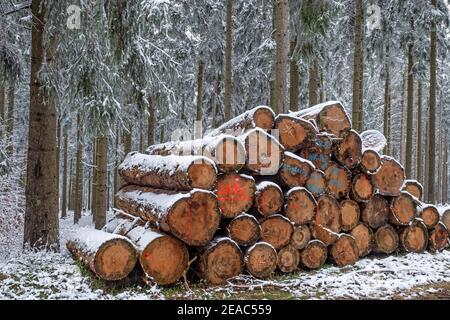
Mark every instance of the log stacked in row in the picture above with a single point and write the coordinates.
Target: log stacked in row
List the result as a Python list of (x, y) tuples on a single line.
[(266, 192)]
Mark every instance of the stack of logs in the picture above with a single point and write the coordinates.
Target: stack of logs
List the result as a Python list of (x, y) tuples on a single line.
[(259, 193)]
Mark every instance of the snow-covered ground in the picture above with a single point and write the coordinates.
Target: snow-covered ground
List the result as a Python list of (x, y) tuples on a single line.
[(30, 275)]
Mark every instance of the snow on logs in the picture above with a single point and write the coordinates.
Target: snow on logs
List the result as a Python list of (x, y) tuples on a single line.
[(192, 217), (414, 188), (182, 173), (109, 256), (226, 151)]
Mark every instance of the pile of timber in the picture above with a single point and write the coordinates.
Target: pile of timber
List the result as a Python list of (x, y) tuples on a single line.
[(259, 194)]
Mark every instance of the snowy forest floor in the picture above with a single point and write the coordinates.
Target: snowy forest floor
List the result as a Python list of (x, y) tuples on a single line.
[(30, 275)]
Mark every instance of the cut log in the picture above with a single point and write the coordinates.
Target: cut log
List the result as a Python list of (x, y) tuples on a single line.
[(110, 257), (260, 117), (300, 237), (121, 223), (446, 219), (362, 188), (370, 161), (364, 238), (235, 193), (373, 139), (295, 171), (403, 210), (376, 212), (276, 230), (226, 151), (264, 153), (323, 234), (314, 255), (320, 160), (438, 238), (295, 133), (261, 260), (268, 198), (181, 173), (220, 261), (300, 206), (317, 183), (192, 217), (328, 213), (414, 188), (390, 177), (344, 252), (414, 238), (330, 117), (288, 259), (244, 230), (163, 258), (348, 150), (386, 240), (350, 214), (338, 181), (430, 216)]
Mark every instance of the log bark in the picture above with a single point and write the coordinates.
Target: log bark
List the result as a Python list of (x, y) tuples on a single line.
[(330, 117), (110, 257), (288, 259), (348, 150), (317, 183), (338, 181), (328, 213), (386, 240), (319, 154), (370, 161), (364, 238), (226, 151), (269, 198), (390, 177), (414, 238), (182, 173), (414, 188), (235, 194), (344, 252), (260, 117), (362, 188), (192, 217), (350, 215), (446, 219), (324, 234), (430, 216), (295, 133), (376, 212), (295, 171), (244, 230), (261, 260), (403, 210), (300, 237), (276, 230), (300, 206), (438, 238), (314, 255), (221, 260), (264, 153)]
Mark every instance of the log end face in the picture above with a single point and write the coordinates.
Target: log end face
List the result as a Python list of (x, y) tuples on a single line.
[(264, 118), (334, 119), (364, 239), (115, 259), (288, 259), (386, 240), (261, 260), (438, 238), (277, 231), (244, 229), (269, 201), (235, 194), (300, 206), (202, 175), (314, 255), (345, 251), (370, 161)]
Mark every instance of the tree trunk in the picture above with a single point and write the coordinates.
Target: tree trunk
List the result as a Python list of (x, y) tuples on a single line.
[(65, 172), (78, 175), (438, 238), (338, 181), (199, 110), (295, 171), (151, 121), (370, 162), (141, 135), (314, 255), (101, 181), (41, 192), (430, 216), (350, 215), (126, 140), (403, 210), (116, 169), (358, 68), (269, 198), (300, 206), (295, 133), (376, 212), (432, 112), (414, 188), (317, 183), (10, 124), (94, 177), (244, 230), (261, 260), (301, 237), (410, 113), (414, 238), (386, 240), (387, 107), (390, 177), (345, 252), (294, 77), (419, 148), (402, 148), (364, 238), (281, 34), (328, 213), (216, 107), (2, 107), (276, 230), (288, 259), (228, 62), (313, 86)]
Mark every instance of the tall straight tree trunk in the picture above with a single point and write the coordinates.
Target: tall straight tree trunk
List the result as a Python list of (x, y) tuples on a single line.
[(272, 93), (101, 183), (64, 182), (229, 63), (410, 113), (358, 68), (313, 86), (2, 107), (442, 142), (432, 112), (41, 228), (126, 140), (294, 78), (116, 169), (141, 136), (58, 159), (419, 156), (402, 124), (281, 33), (10, 125), (78, 175), (216, 107), (199, 109), (322, 87), (387, 108), (151, 120), (94, 177), (445, 169), (89, 191), (427, 161)]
